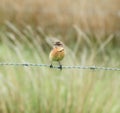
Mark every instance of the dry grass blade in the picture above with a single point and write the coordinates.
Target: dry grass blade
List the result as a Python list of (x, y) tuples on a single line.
[(105, 43), (83, 36)]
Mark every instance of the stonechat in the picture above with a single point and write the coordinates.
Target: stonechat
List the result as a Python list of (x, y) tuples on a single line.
[(57, 53)]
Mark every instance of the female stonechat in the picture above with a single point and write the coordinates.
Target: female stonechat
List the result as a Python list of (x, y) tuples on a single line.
[(57, 53)]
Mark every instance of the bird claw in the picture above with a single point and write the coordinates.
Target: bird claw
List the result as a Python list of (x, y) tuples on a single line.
[(60, 67), (51, 66)]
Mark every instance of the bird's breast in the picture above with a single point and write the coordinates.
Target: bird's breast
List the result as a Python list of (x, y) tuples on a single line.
[(57, 54)]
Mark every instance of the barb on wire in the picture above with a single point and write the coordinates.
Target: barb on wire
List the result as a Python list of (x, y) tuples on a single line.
[(65, 67)]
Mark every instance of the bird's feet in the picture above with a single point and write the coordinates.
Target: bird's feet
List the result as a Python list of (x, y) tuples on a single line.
[(51, 66), (60, 67)]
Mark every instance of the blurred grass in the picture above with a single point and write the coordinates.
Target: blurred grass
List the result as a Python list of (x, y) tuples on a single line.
[(43, 90), (90, 31), (97, 16)]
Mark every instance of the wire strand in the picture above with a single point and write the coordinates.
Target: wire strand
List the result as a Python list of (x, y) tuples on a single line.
[(65, 67)]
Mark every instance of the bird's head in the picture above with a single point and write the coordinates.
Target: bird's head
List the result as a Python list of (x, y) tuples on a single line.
[(58, 44)]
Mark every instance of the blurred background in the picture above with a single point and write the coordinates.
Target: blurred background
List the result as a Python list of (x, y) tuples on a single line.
[(90, 30), (92, 15)]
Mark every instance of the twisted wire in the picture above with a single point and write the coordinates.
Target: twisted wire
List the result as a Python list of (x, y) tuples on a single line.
[(64, 67)]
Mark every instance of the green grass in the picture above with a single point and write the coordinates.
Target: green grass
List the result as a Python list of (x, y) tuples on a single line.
[(45, 90)]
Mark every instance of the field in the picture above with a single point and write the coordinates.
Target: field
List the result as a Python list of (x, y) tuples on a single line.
[(89, 38)]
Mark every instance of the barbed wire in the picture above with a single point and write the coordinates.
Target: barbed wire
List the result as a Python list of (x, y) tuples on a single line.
[(64, 67)]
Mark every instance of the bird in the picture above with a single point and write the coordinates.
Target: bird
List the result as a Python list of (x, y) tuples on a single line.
[(57, 53)]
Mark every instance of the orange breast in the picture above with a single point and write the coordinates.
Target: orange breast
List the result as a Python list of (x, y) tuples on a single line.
[(57, 54)]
